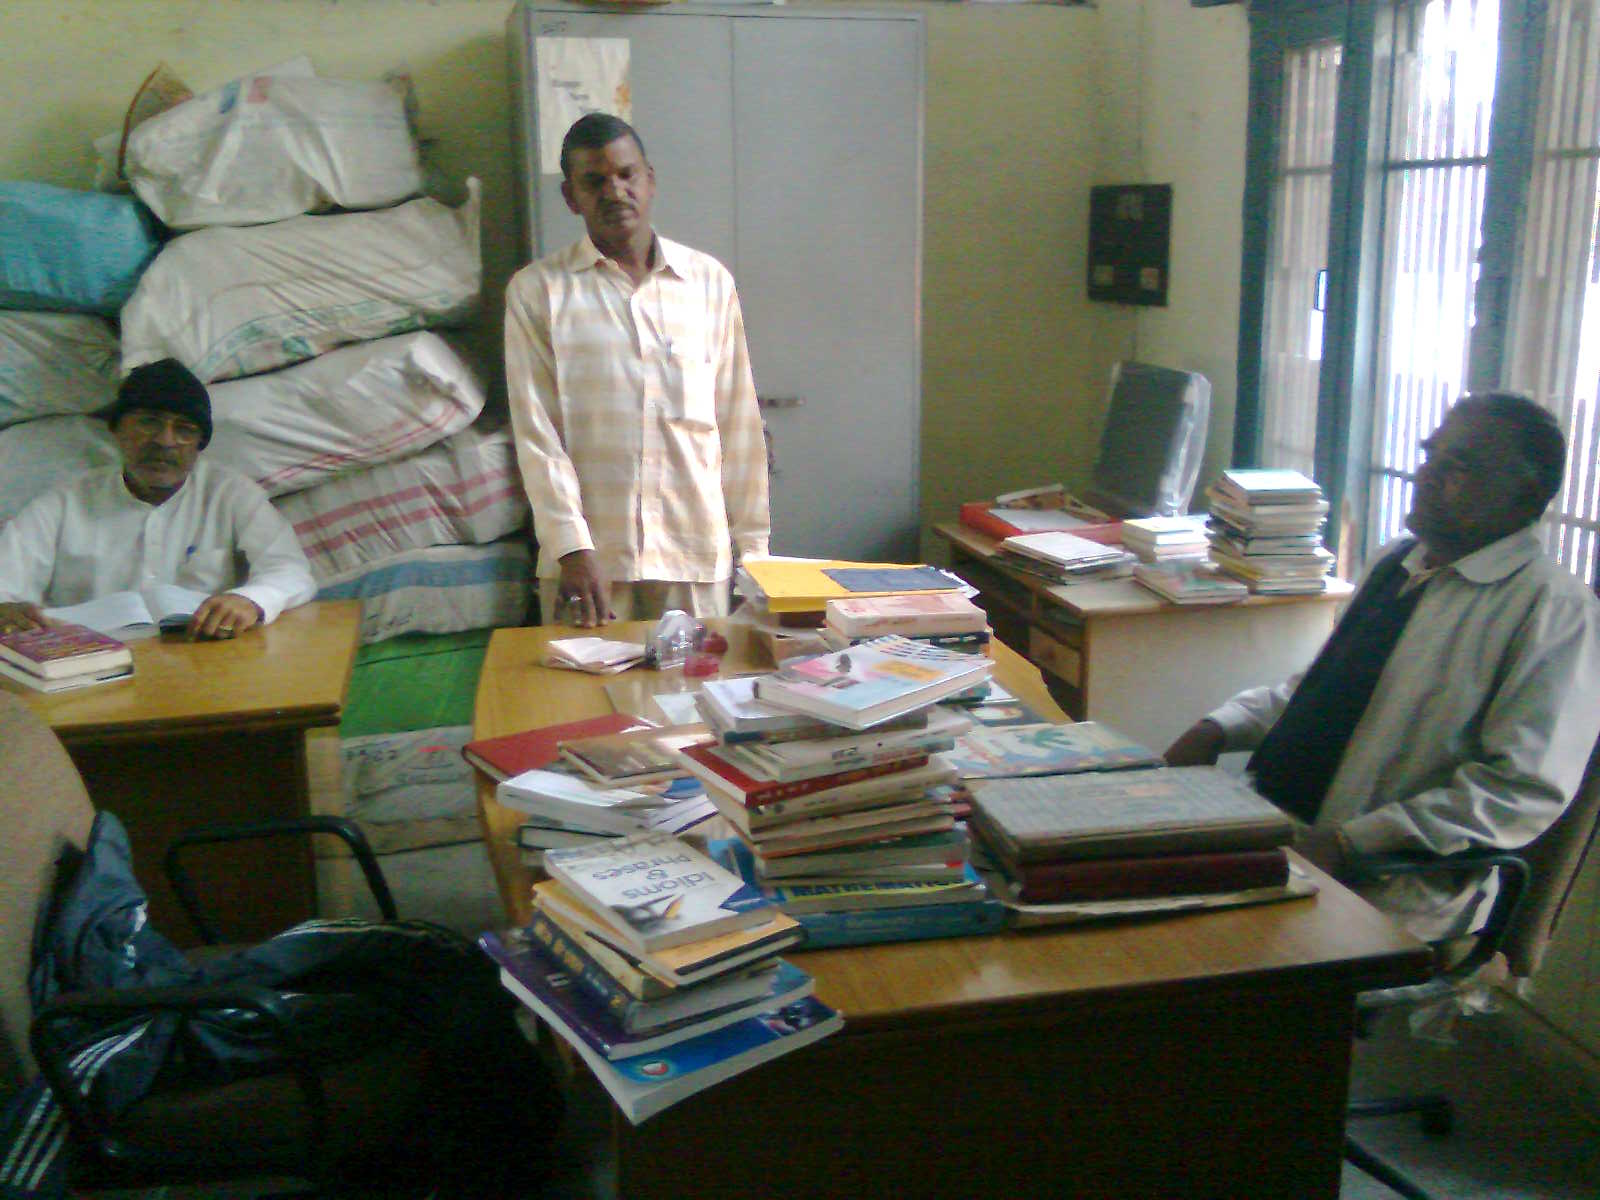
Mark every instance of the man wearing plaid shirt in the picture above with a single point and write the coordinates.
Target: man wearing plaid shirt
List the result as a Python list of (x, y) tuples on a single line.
[(632, 403)]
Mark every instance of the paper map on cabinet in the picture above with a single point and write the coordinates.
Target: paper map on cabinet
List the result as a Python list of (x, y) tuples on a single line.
[(577, 76)]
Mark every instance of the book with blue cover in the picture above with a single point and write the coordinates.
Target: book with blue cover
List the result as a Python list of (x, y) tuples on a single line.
[(527, 969), (1046, 749), (978, 914), (644, 1084)]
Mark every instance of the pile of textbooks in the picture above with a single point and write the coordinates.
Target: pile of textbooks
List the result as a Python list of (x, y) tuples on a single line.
[(946, 619), (59, 656), (1128, 836), (827, 771), (1065, 557), (1266, 529), (584, 782), (660, 968)]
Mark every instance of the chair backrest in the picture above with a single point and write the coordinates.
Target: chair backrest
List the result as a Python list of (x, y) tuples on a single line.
[(43, 808), (1555, 858), (1153, 441)]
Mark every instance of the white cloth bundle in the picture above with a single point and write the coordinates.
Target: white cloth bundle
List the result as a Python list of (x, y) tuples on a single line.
[(272, 146), (55, 363), (35, 456), (232, 302), (341, 412), (463, 491)]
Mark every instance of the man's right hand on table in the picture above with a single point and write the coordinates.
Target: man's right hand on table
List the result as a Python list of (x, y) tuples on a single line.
[(584, 594), (18, 616), (1197, 746)]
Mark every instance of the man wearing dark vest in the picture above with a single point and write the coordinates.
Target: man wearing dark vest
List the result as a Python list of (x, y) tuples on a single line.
[(1456, 703)]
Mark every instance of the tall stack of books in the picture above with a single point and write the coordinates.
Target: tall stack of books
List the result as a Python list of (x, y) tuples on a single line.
[(660, 968), (1065, 557), (1266, 529), (584, 782), (826, 772), (58, 657), (1128, 835)]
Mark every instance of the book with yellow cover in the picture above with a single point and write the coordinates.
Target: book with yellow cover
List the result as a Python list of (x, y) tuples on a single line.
[(807, 584)]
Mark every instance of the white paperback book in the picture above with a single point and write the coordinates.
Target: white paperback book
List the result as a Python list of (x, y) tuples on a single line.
[(577, 803), (129, 615), (657, 891)]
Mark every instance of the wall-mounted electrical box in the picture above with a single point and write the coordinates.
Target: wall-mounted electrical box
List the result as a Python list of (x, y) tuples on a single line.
[(1130, 242)]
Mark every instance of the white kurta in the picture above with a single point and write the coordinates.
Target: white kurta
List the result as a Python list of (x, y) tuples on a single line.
[(217, 533)]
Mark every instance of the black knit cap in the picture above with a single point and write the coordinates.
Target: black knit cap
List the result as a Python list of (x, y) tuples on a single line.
[(165, 386)]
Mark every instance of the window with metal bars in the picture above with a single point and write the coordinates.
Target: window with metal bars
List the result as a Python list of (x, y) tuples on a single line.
[(1449, 218)]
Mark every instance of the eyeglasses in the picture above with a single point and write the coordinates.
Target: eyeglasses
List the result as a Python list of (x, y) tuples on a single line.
[(150, 424)]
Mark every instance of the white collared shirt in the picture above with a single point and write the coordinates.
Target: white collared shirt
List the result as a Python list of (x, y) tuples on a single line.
[(217, 533), (635, 414), (1478, 730)]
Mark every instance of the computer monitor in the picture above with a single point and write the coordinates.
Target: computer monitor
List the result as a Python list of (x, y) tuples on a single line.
[(1154, 439)]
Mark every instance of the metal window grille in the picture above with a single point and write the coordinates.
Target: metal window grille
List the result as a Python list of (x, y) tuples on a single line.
[(1301, 194), (1433, 174), (1554, 347)]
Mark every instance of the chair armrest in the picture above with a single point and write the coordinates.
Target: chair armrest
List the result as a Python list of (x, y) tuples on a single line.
[(1514, 876), (186, 1001), (206, 835)]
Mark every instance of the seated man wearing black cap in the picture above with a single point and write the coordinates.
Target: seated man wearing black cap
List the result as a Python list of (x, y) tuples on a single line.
[(1455, 705), (162, 517)]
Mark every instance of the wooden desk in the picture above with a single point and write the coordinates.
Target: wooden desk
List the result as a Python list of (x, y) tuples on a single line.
[(1116, 652), (1204, 1055), (215, 731)]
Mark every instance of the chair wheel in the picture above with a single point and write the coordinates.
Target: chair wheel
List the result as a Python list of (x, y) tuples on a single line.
[(1438, 1119)]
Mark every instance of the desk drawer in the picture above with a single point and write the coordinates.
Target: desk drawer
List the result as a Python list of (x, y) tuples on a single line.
[(1058, 658)]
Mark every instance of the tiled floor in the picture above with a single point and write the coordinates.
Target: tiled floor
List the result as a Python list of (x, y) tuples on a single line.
[(1527, 1119)]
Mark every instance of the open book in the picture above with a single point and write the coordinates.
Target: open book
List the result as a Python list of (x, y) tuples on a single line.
[(157, 608)]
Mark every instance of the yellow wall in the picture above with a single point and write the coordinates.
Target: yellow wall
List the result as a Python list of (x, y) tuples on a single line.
[(1027, 106)]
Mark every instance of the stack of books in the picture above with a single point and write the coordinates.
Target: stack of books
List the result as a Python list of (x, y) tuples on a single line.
[(1266, 529), (826, 771), (590, 781), (946, 619), (661, 969), (58, 657), (1165, 539), (1125, 835), (1190, 582), (1065, 557)]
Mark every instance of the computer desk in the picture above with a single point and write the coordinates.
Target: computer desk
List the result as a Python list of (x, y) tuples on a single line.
[(215, 731), (1205, 1055)]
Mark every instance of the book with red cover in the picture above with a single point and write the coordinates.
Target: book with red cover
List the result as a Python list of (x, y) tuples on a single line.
[(502, 757), (975, 515), (1154, 875), (717, 772), (61, 650)]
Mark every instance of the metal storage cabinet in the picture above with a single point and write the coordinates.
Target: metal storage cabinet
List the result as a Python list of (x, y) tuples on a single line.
[(788, 143)]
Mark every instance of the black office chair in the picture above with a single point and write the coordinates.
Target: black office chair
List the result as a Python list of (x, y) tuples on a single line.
[(1535, 884), (339, 1104)]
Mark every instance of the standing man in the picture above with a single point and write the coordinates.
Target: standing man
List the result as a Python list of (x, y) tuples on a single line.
[(1456, 703), (163, 516), (632, 403)]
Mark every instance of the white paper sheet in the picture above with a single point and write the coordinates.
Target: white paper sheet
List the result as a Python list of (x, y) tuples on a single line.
[(577, 76)]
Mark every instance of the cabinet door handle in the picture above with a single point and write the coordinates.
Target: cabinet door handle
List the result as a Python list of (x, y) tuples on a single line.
[(768, 402)]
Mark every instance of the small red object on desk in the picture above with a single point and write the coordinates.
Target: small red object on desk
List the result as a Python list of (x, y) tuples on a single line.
[(700, 663), (714, 643)]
